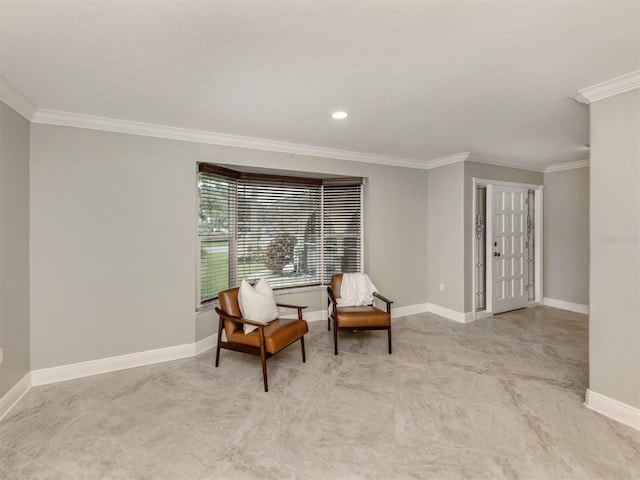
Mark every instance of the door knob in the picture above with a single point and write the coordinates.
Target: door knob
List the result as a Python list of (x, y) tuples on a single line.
[(496, 254)]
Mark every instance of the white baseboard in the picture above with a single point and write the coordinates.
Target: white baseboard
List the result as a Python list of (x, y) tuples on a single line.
[(13, 396), (112, 364), (409, 310), (454, 315), (572, 307), (618, 411), (471, 316), (206, 343)]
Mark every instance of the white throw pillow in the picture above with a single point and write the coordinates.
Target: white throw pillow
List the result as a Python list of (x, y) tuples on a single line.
[(257, 304)]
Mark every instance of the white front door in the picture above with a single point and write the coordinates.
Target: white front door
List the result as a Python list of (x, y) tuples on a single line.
[(506, 249)]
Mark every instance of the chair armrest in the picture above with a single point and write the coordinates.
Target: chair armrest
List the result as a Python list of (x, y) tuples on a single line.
[(284, 305), (380, 297), (332, 297), (385, 300), (226, 316), (297, 307)]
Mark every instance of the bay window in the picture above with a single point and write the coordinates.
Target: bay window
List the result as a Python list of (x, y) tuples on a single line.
[(294, 231)]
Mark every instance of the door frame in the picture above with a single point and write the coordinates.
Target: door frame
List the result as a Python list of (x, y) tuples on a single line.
[(538, 243)]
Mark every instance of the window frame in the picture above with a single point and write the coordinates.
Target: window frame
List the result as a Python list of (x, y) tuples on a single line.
[(286, 178)]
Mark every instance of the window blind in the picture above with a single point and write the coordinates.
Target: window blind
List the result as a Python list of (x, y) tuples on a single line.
[(342, 229), (293, 231), (279, 232)]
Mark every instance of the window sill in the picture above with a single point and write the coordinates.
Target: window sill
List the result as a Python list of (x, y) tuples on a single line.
[(287, 291)]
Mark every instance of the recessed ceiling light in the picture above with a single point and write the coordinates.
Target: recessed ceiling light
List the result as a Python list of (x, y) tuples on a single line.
[(340, 115)]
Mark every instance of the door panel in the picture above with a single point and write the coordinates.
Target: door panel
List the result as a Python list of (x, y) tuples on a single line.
[(506, 248)]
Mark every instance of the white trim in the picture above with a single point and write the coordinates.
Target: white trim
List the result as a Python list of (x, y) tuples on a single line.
[(460, 317), (206, 343), (409, 310), (609, 407), (13, 97), (68, 119), (485, 182), (607, 89), (538, 238), (564, 305), (473, 316), (13, 396), (505, 163), (111, 364), (448, 160), (559, 167), (471, 157)]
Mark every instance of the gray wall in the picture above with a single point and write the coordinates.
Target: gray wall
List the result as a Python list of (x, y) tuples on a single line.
[(445, 257), (450, 228), (614, 339), (486, 172), (566, 235), (113, 239), (14, 247)]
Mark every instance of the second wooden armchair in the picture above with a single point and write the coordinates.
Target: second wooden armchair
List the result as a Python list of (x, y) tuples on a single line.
[(366, 317)]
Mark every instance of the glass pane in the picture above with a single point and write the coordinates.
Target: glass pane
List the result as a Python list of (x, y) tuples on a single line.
[(278, 233), (342, 230), (214, 205), (214, 268)]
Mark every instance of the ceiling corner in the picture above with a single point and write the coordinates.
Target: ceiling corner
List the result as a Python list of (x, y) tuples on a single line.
[(13, 97)]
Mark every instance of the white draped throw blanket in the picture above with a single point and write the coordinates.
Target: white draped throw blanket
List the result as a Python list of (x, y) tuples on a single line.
[(356, 290)]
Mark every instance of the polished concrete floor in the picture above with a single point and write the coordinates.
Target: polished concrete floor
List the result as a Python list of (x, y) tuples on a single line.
[(498, 398)]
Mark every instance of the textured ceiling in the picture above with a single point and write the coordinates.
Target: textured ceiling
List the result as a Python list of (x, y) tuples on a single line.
[(421, 80)]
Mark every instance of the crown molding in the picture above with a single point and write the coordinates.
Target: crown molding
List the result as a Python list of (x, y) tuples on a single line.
[(448, 160), (471, 157), (13, 97), (506, 163), (607, 89), (67, 119), (92, 122), (560, 167)]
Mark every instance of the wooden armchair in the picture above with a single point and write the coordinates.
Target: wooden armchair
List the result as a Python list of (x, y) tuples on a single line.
[(266, 341), (356, 318)]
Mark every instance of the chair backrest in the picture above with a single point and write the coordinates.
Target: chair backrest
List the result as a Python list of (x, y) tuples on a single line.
[(229, 304), (336, 283)]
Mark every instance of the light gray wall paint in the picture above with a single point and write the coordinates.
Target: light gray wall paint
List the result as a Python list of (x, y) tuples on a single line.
[(14, 247), (566, 235), (445, 199), (113, 239), (487, 172), (112, 250), (614, 323)]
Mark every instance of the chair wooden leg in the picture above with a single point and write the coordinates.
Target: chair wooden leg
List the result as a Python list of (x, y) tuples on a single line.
[(263, 358), (335, 337), (220, 322), (389, 334), (304, 359)]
